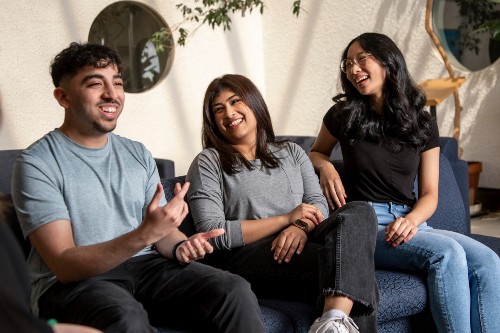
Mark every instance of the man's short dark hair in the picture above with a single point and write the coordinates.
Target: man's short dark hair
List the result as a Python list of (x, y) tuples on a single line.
[(70, 60)]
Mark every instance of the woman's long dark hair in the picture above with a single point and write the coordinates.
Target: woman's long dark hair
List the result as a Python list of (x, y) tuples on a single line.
[(231, 159), (403, 122)]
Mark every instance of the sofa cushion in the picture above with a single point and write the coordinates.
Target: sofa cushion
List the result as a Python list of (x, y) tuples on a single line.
[(396, 326), (401, 295), (274, 321), (301, 315)]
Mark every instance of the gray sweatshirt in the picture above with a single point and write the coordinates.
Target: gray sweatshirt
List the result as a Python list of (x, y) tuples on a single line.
[(219, 200)]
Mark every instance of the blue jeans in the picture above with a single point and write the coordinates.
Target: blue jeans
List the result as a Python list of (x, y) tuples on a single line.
[(463, 275)]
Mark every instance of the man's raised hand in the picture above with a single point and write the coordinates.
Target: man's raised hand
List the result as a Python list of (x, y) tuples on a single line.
[(161, 221)]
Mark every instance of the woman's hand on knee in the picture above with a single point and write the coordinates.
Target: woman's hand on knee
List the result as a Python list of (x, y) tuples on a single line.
[(401, 230), (306, 211), (332, 187), (290, 241)]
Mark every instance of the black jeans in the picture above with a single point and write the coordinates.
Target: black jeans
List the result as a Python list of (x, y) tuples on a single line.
[(151, 290), (337, 260)]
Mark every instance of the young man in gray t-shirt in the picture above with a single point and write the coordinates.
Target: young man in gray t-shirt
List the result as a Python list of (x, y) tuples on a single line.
[(106, 249)]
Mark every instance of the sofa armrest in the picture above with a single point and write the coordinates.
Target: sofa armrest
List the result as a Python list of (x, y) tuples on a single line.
[(7, 158), (449, 148), (166, 168), (450, 213), (187, 226), (9, 218)]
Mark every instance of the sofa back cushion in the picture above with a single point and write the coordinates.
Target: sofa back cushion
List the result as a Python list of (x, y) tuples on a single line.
[(8, 217), (306, 142), (187, 226), (166, 168), (7, 158), (450, 212)]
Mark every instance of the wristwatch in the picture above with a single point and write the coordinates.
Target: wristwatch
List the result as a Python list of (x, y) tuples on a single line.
[(301, 225)]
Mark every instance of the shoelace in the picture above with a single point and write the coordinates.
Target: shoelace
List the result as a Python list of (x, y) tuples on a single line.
[(349, 320), (343, 324), (341, 327)]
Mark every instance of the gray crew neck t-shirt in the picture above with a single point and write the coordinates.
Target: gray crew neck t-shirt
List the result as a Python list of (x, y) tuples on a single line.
[(102, 192)]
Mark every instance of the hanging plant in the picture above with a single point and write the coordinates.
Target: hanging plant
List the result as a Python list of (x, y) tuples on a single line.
[(215, 13), (480, 16)]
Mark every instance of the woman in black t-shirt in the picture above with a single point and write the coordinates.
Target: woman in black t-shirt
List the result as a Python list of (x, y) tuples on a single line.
[(387, 137)]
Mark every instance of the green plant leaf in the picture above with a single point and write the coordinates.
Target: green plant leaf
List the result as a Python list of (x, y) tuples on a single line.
[(215, 13)]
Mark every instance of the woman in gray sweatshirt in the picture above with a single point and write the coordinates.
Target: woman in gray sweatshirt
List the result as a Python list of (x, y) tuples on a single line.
[(278, 234)]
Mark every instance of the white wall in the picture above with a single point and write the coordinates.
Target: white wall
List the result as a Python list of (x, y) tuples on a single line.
[(294, 62), (167, 118), (302, 57)]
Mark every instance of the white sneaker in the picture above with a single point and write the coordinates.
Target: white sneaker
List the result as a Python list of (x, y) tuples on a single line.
[(334, 325)]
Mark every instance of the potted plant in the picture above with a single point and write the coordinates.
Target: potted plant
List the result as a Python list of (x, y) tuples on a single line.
[(481, 16), (493, 27)]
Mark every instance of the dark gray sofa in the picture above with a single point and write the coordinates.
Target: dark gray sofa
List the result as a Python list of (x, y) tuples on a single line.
[(403, 296)]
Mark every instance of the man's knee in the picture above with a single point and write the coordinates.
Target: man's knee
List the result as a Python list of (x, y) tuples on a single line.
[(99, 304), (234, 286)]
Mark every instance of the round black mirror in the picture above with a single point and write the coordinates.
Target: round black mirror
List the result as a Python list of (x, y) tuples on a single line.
[(127, 27)]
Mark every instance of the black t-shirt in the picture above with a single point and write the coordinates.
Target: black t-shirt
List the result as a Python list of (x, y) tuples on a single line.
[(376, 173)]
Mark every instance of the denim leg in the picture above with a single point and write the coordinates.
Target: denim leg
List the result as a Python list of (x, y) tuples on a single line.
[(444, 261), (460, 270), (195, 296), (108, 306), (484, 281), (346, 260)]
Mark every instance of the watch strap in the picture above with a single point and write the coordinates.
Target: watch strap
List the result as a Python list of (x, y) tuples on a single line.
[(301, 225)]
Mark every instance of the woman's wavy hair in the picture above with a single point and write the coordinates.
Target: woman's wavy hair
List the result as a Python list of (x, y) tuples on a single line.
[(231, 159), (404, 121)]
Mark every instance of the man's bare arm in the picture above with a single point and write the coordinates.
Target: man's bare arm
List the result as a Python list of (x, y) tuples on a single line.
[(54, 241)]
